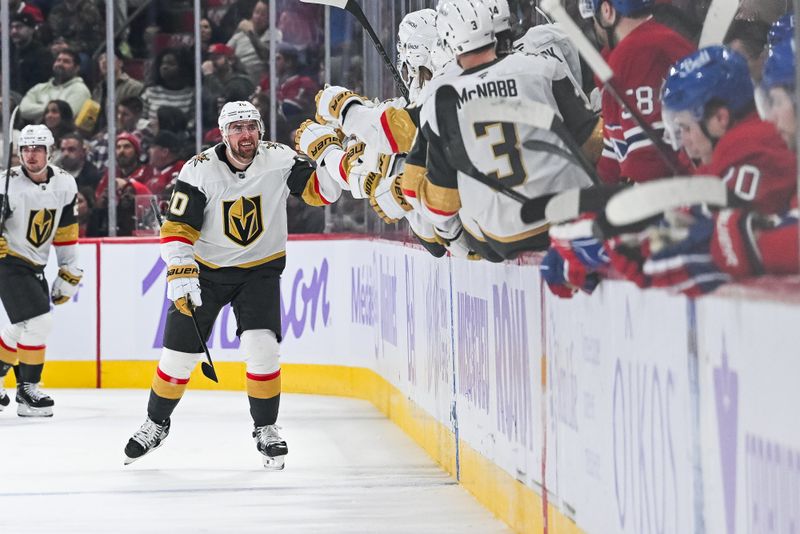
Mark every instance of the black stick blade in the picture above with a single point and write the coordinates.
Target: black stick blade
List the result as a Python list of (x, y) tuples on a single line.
[(208, 371)]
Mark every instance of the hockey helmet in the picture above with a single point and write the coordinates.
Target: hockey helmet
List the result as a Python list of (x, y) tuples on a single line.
[(779, 68), (714, 72), (416, 38), (625, 8), (464, 25), (781, 29), (501, 15), (240, 110), (35, 135)]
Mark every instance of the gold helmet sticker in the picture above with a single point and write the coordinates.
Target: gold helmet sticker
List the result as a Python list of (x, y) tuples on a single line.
[(40, 226), (243, 223)]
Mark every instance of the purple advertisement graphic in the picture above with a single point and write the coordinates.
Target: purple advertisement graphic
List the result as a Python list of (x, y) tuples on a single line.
[(512, 359), (307, 302), (437, 331), (726, 388), (473, 350), (410, 320)]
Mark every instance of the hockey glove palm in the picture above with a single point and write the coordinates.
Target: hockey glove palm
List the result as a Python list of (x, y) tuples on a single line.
[(65, 285), (183, 287), (3, 247)]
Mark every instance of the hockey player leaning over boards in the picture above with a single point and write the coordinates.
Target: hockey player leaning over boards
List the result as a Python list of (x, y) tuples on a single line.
[(438, 183), (225, 243), (40, 211), (640, 54)]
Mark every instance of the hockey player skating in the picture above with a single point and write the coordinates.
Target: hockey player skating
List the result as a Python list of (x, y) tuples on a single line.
[(224, 241), (40, 212)]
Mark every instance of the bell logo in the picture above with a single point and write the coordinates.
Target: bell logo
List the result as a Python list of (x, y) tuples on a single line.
[(242, 220), (40, 226)]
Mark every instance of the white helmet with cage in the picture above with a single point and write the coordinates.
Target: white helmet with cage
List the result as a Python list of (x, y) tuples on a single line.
[(501, 15), (415, 38), (465, 25), (35, 135), (240, 110)]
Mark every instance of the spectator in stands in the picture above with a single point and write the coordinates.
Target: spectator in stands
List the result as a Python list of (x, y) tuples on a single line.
[(709, 109), (221, 70), (749, 38), (251, 41), (173, 83), (208, 36), (64, 85), (84, 205), (125, 86), (165, 161), (79, 22), (129, 167), (175, 121), (31, 59), (640, 53), (17, 7), (301, 24), (59, 119), (129, 119), (73, 160), (296, 91), (236, 12)]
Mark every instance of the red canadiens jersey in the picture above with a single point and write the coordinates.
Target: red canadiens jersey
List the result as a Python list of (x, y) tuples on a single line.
[(640, 63), (161, 178), (756, 165)]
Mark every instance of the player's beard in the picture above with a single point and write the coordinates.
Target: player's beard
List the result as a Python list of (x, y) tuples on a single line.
[(245, 154)]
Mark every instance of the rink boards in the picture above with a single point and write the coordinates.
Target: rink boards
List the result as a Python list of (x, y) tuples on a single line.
[(627, 411)]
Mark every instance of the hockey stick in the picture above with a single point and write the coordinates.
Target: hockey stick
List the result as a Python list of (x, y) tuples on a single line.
[(206, 367), (606, 77), (653, 198), (718, 20), (355, 9), (10, 146)]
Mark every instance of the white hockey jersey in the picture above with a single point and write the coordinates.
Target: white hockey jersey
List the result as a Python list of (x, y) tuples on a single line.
[(222, 217), (444, 188), (41, 215)]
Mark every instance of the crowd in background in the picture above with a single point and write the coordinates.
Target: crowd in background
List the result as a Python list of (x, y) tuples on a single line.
[(59, 70)]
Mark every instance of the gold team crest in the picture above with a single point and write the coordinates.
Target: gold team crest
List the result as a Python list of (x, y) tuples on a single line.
[(242, 221), (40, 226)]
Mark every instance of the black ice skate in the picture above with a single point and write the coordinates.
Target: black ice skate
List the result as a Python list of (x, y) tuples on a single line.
[(4, 398), (271, 445), (147, 439), (32, 401)]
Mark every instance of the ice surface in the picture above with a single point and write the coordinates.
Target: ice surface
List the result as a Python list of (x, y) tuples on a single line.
[(349, 469)]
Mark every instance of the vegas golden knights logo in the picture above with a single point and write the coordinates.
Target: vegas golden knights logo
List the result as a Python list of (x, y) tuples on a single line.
[(40, 226), (242, 220)]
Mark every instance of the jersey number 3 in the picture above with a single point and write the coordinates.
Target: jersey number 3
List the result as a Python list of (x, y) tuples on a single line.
[(508, 147)]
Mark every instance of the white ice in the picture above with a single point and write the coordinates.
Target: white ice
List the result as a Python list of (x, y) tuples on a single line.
[(349, 469)]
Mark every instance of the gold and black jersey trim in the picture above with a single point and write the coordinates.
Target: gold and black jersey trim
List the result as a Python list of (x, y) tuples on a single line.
[(399, 129), (247, 265), (440, 200), (178, 231), (66, 235)]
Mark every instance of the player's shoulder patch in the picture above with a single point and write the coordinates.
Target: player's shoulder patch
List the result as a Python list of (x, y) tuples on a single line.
[(63, 179), (202, 157), (272, 145)]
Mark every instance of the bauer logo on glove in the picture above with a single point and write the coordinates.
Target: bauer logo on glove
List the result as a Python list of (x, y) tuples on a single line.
[(65, 285)]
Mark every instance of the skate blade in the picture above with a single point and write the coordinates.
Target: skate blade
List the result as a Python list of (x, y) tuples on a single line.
[(128, 460), (274, 463), (23, 410)]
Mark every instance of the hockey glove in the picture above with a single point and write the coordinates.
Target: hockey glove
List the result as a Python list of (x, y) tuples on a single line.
[(388, 201), (734, 246), (580, 241), (65, 285), (686, 266), (3, 247), (183, 287), (332, 102), (627, 258), (565, 278), (316, 140)]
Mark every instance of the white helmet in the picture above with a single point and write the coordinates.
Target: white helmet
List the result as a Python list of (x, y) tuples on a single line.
[(417, 28), (464, 25), (240, 110), (441, 55), (35, 135), (501, 15)]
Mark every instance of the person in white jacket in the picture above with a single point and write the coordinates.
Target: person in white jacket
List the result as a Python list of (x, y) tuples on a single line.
[(65, 85)]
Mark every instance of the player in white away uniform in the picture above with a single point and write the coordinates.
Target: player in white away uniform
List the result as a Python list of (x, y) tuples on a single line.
[(40, 211), (437, 183), (225, 243)]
